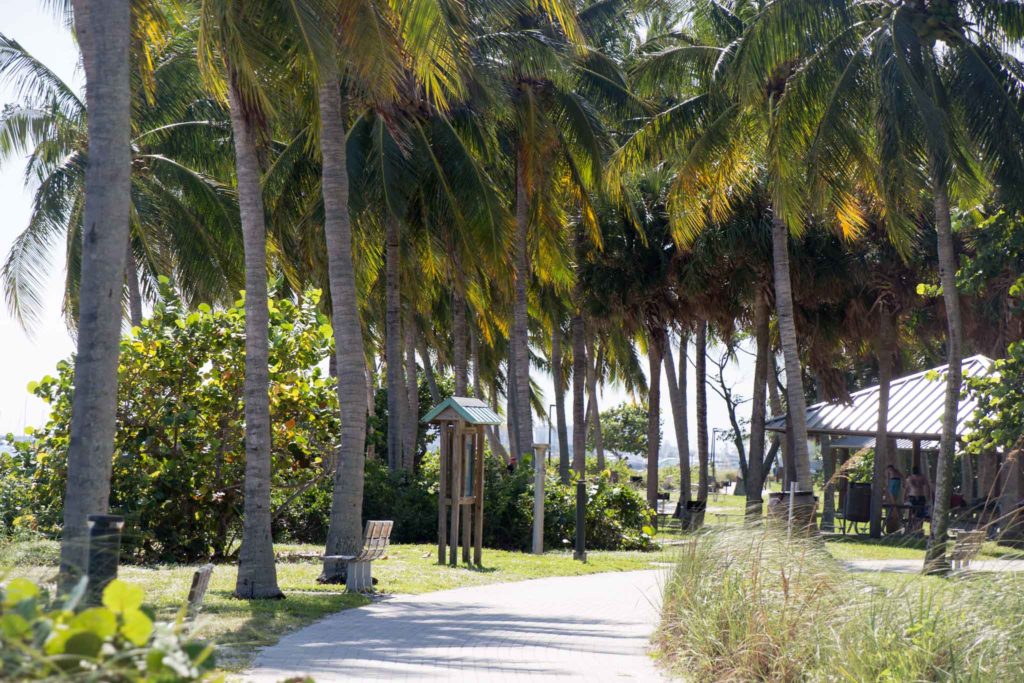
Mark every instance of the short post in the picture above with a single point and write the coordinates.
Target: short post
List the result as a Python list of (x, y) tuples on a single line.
[(104, 553), (792, 498), (581, 521), (538, 497)]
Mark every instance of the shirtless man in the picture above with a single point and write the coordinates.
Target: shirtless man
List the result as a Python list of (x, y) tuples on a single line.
[(918, 493)]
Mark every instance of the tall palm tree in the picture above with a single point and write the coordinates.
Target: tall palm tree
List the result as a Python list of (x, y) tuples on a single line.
[(899, 97), (715, 130), (234, 47), (554, 141), (183, 218), (677, 398), (103, 28)]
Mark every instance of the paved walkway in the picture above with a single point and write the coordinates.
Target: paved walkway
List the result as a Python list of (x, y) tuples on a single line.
[(914, 566), (593, 628)]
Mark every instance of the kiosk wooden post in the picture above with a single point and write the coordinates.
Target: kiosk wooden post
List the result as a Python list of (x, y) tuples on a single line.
[(460, 497)]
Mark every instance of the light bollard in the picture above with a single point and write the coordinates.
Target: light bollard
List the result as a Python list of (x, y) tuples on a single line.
[(104, 554), (539, 468)]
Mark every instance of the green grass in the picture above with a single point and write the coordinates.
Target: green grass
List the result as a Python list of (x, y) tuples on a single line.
[(239, 627)]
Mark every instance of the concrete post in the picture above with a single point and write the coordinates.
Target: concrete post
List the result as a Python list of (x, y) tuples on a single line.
[(539, 450)]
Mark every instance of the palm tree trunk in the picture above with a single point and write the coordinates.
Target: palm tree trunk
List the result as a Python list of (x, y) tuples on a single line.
[(701, 380), (593, 407), (105, 233), (775, 405), (513, 433), (755, 467), (654, 354), (493, 437), (935, 556), (795, 401), (412, 393), (885, 350), (134, 292), (560, 427), (393, 344), (428, 371), (459, 343), (371, 400), (257, 574), (579, 373), (474, 358), (677, 398), (520, 319), (344, 535)]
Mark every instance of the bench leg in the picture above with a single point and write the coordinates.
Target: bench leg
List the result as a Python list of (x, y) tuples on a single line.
[(358, 579)]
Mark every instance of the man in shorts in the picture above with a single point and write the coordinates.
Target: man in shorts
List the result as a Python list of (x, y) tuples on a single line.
[(918, 493)]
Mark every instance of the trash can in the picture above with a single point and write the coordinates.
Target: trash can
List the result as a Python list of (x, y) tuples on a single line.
[(104, 553), (692, 514)]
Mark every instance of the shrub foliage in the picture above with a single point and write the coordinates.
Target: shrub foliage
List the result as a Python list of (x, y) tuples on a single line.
[(118, 640)]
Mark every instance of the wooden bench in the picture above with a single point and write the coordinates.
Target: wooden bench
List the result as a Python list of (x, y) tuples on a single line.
[(196, 593), (358, 577), (966, 545)]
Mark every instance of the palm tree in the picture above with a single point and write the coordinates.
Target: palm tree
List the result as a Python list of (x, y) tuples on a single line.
[(183, 219), (103, 28), (233, 47), (715, 130), (677, 399), (937, 83), (555, 142)]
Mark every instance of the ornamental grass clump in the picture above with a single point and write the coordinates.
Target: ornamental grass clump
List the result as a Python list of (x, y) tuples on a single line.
[(743, 606), (751, 605)]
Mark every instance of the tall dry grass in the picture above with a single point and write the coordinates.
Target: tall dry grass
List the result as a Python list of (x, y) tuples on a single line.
[(745, 604)]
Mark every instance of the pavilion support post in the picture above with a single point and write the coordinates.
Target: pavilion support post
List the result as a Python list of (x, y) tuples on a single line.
[(457, 451), (443, 493), (915, 455), (988, 470), (844, 482), (967, 475), (1010, 522), (828, 508), (478, 507)]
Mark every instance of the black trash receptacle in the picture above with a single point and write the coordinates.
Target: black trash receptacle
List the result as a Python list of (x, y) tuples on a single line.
[(104, 553), (692, 515)]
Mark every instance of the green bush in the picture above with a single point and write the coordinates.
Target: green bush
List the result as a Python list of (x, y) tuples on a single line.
[(179, 452), (41, 639)]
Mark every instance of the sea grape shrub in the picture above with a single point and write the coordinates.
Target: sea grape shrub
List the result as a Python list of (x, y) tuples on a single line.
[(998, 422), (179, 452), (118, 640)]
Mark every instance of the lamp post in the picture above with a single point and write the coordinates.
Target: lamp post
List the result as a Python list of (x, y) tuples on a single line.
[(714, 451), (550, 423)]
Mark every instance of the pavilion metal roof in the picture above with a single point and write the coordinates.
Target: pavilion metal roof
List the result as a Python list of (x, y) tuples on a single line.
[(472, 410), (916, 404)]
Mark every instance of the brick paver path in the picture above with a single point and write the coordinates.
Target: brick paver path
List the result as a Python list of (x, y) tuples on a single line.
[(594, 628)]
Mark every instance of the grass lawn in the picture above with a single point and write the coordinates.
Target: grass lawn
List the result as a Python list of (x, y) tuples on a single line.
[(239, 627)]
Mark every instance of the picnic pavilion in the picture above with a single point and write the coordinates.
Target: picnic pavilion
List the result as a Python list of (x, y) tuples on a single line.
[(916, 405)]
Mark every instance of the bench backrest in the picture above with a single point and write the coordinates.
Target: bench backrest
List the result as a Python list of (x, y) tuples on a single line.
[(375, 540), (967, 544), (196, 593)]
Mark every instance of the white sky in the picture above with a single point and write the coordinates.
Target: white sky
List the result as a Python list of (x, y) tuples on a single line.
[(24, 358)]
